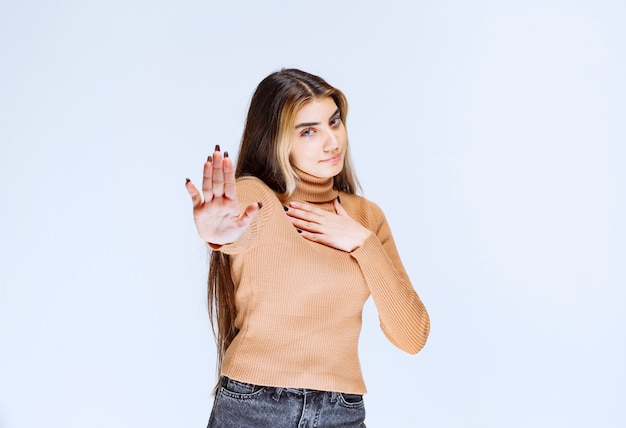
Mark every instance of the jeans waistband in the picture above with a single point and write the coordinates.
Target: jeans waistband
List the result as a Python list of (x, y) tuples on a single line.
[(277, 391)]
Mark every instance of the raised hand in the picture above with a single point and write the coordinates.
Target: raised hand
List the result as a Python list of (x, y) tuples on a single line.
[(337, 230), (216, 211)]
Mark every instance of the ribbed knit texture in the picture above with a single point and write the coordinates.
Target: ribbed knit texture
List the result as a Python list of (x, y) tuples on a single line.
[(299, 303)]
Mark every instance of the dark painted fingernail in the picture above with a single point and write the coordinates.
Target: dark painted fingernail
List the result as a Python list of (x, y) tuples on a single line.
[(260, 204), (225, 154), (338, 199), (217, 147), (299, 231), (187, 180), (285, 208), (209, 159)]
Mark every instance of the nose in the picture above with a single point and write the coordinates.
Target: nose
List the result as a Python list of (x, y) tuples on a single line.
[(332, 142)]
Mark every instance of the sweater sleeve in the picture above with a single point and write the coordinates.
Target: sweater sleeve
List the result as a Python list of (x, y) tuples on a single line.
[(403, 317)]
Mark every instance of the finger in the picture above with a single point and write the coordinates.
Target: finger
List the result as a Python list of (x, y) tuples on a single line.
[(218, 174), (196, 198), (298, 214), (310, 236), (207, 180), (299, 223), (250, 213), (307, 212), (230, 190), (339, 209), (306, 207)]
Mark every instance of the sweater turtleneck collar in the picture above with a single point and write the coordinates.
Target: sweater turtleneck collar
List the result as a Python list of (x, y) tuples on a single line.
[(314, 189)]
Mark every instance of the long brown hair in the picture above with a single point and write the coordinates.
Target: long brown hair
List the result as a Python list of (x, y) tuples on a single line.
[(264, 153)]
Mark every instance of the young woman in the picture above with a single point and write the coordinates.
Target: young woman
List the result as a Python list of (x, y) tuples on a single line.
[(295, 255)]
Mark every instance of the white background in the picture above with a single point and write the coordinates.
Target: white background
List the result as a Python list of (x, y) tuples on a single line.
[(490, 132)]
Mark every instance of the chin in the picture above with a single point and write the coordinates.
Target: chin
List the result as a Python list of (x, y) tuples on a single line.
[(334, 173)]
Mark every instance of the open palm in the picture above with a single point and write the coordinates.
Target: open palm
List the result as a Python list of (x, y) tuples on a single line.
[(216, 210)]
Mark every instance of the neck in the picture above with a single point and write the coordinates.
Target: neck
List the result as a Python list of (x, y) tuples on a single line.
[(314, 189)]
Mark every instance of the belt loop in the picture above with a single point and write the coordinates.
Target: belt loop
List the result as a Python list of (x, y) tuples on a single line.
[(333, 397), (277, 392)]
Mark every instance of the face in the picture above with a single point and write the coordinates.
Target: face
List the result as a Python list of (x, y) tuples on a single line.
[(319, 139)]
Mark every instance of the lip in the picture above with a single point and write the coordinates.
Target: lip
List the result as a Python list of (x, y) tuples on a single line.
[(333, 159)]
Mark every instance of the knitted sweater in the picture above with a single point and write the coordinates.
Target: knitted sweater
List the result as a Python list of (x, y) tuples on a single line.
[(299, 303)]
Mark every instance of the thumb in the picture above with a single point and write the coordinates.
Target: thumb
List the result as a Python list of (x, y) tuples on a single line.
[(196, 198), (251, 212), (339, 209)]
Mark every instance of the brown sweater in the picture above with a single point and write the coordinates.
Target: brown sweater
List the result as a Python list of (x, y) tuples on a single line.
[(299, 303)]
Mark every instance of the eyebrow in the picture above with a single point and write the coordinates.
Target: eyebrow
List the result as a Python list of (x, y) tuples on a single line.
[(307, 124)]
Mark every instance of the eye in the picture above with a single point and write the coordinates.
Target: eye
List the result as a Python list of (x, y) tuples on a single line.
[(335, 121), (307, 132)]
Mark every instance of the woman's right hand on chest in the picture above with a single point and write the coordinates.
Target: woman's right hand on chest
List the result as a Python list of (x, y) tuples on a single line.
[(216, 211)]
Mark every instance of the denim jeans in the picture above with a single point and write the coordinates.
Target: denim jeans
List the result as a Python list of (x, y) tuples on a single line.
[(243, 405)]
